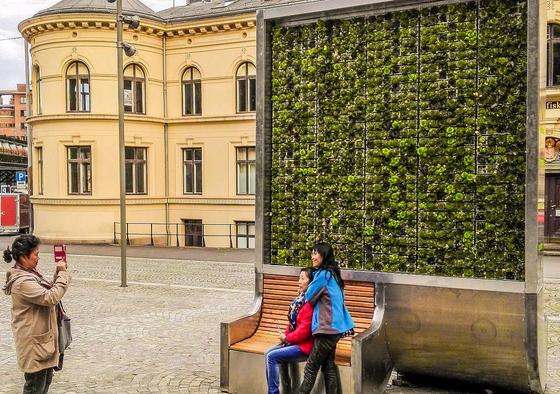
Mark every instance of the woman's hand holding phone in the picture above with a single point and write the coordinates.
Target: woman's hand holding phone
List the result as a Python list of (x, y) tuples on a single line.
[(60, 257), (61, 265)]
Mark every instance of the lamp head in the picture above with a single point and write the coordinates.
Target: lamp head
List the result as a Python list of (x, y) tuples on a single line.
[(133, 21), (129, 49)]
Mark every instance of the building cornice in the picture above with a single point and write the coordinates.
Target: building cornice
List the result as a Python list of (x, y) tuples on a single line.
[(31, 27), (214, 25), (132, 200), (139, 118), (89, 116)]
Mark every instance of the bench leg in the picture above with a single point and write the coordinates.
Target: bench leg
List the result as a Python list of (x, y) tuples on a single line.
[(371, 362)]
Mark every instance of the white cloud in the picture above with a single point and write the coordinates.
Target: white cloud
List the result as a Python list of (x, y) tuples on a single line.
[(12, 67)]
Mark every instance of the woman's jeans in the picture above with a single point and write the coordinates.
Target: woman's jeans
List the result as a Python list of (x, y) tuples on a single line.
[(38, 382), (322, 356), (276, 355)]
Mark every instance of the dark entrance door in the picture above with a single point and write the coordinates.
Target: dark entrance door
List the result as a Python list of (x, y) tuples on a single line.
[(194, 233), (552, 207)]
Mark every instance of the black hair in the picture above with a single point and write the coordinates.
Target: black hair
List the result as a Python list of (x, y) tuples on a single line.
[(309, 272), (329, 263), (22, 246)]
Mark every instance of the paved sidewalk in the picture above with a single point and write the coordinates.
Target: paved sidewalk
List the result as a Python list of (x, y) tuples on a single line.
[(150, 252), (161, 334)]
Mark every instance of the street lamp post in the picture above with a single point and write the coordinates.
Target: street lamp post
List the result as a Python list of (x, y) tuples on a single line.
[(132, 21)]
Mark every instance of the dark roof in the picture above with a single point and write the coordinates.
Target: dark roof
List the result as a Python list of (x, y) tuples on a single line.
[(135, 7), (198, 9)]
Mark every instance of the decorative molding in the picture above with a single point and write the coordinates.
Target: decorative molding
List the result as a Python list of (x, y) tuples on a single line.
[(141, 118), (31, 27), (77, 140), (187, 200), (211, 201), (90, 116), (191, 142), (34, 26), (207, 27), (95, 201), (205, 119)]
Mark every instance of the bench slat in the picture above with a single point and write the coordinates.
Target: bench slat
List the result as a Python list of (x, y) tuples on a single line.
[(280, 290)]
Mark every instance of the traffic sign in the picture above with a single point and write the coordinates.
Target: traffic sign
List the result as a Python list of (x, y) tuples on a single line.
[(21, 177)]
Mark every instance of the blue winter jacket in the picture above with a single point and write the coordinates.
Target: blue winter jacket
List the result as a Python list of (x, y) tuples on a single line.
[(330, 315)]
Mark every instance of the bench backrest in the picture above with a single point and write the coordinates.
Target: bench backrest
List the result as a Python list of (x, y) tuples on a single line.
[(280, 290)]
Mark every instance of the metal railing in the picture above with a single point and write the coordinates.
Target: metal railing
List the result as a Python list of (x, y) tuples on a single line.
[(179, 234)]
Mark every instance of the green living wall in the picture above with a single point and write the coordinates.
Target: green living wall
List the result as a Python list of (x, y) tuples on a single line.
[(400, 139)]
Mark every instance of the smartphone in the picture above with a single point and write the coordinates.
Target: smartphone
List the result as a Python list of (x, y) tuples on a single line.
[(59, 252)]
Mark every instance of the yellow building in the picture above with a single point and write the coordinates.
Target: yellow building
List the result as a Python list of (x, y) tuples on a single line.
[(190, 122), (550, 71)]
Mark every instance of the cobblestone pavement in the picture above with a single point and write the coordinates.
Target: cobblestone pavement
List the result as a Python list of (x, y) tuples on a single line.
[(161, 334), (160, 337)]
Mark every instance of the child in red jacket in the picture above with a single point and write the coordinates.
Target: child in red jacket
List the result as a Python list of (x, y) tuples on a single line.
[(297, 341)]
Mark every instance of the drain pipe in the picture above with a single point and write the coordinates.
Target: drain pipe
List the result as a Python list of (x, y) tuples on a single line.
[(165, 139), (29, 142)]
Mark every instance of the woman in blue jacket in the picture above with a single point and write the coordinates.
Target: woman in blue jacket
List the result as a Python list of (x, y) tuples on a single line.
[(331, 320)]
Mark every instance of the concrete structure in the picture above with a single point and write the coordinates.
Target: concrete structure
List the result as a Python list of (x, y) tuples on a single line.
[(190, 122), (13, 111)]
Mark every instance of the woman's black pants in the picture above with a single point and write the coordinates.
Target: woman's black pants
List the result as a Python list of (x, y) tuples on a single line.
[(38, 382), (322, 356)]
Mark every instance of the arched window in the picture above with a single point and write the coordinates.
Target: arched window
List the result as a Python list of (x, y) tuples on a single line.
[(77, 88), (37, 92), (553, 55), (246, 87), (134, 89), (192, 94)]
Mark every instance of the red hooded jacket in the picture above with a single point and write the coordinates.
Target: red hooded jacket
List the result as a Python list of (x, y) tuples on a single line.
[(302, 336)]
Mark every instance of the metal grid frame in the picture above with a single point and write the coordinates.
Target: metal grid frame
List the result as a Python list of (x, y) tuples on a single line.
[(331, 9)]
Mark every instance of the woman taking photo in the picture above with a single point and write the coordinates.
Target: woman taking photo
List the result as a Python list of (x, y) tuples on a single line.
[(331, 319), (297, 341), (34, 324)]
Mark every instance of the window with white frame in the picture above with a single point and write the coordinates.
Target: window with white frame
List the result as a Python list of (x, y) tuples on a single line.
[(192, 170), (136, 170), (79, 170), (192, 93), (77, 88), (245, 235), (39, 155), (37, 92), (246, 79), (134, 89), (246, 170)]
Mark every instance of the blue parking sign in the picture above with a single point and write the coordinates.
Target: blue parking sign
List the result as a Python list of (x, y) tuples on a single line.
[(21, 177)]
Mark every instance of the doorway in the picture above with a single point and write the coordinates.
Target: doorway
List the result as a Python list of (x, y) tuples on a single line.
[(194, 232), (552, 208)]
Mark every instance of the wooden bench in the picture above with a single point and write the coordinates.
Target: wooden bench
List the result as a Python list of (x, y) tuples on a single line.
[(278, 292)]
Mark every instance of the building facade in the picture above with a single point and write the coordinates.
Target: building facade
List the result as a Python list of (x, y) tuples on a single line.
[(550, 129), (13, 112), (189, 123)]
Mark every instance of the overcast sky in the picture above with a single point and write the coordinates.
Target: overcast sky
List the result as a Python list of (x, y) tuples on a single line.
[(12, 66)]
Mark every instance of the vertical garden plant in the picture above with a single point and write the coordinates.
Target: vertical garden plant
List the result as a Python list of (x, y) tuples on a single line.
[(400, 139)]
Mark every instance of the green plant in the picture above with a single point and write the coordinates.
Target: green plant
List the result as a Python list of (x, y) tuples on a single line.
[(400, 139)]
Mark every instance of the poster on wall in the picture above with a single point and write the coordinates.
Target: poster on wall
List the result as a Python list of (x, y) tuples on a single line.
[(127, 97)]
